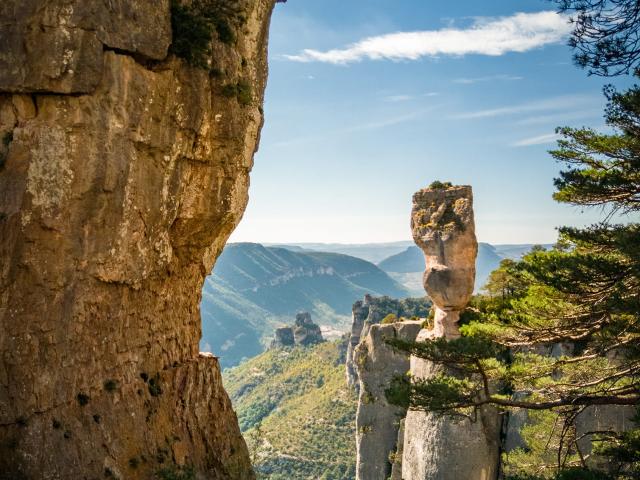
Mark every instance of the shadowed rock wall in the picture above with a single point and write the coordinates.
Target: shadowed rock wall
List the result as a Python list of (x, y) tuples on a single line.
[(122, 173)]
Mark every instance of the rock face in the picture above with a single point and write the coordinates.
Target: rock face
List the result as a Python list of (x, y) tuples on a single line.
[(443, 227), (305, 332), (377, 421), (371, 311), (437, 447), (283, 338), (122, 173)]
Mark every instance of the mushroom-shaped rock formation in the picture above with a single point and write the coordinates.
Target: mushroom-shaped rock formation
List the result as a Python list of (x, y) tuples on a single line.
[(443, 227), (437, 447)]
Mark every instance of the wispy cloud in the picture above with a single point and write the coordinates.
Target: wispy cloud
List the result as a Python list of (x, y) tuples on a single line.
[(398, 98), (489, 78), (383, 122), (549, 104), (561, 117), (486, 36), (539, 140)]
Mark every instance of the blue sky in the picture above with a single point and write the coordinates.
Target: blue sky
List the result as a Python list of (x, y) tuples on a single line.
[(370, 100)]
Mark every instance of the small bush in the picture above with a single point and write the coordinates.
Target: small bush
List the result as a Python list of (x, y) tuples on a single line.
[(154, 386), (193, 27), (177, 473), (391, 318), (191, 35), (83, 399), (134, 462), (56, 424), (241, 90), (438, 185), (111, 385)]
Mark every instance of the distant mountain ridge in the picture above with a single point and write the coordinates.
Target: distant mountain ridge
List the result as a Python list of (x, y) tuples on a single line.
[(254, 289)]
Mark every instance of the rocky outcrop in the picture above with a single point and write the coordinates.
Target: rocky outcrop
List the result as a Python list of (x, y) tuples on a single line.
[(438, 447), (123, 171), (283, 337), (371, 311), (305, 332), (377, 421)]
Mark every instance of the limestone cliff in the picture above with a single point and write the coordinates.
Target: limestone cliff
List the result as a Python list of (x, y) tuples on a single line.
[(371, 311), (377, 421), (123, 170)]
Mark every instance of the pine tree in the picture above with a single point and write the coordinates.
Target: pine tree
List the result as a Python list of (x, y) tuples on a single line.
[(579, 300)]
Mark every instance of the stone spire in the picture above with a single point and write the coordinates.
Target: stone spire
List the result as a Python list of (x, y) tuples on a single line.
[(436, 447), (443, 227)]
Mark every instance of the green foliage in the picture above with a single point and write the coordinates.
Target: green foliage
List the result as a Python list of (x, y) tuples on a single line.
[(193, 27), (296, 412), (438, 185), (176, 473), (606, 35), (191, 34), (155, 387), (111, 385), (241, 90), (391, 318), (83, 399)]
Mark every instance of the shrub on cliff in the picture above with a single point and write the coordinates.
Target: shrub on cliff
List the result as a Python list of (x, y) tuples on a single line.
[(193, 27)]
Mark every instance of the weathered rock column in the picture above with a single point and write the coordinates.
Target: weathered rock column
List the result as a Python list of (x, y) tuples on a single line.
[(443, 227), (377, 422), (123, 171), (437, 447)]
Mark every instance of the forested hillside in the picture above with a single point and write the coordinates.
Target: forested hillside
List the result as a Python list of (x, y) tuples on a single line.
[(296, 412)]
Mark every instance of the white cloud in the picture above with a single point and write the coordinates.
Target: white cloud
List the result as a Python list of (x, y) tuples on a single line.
[(486, 36), (430, 94), (489, 78), (539, 140), (398, 98), (550, 104)]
